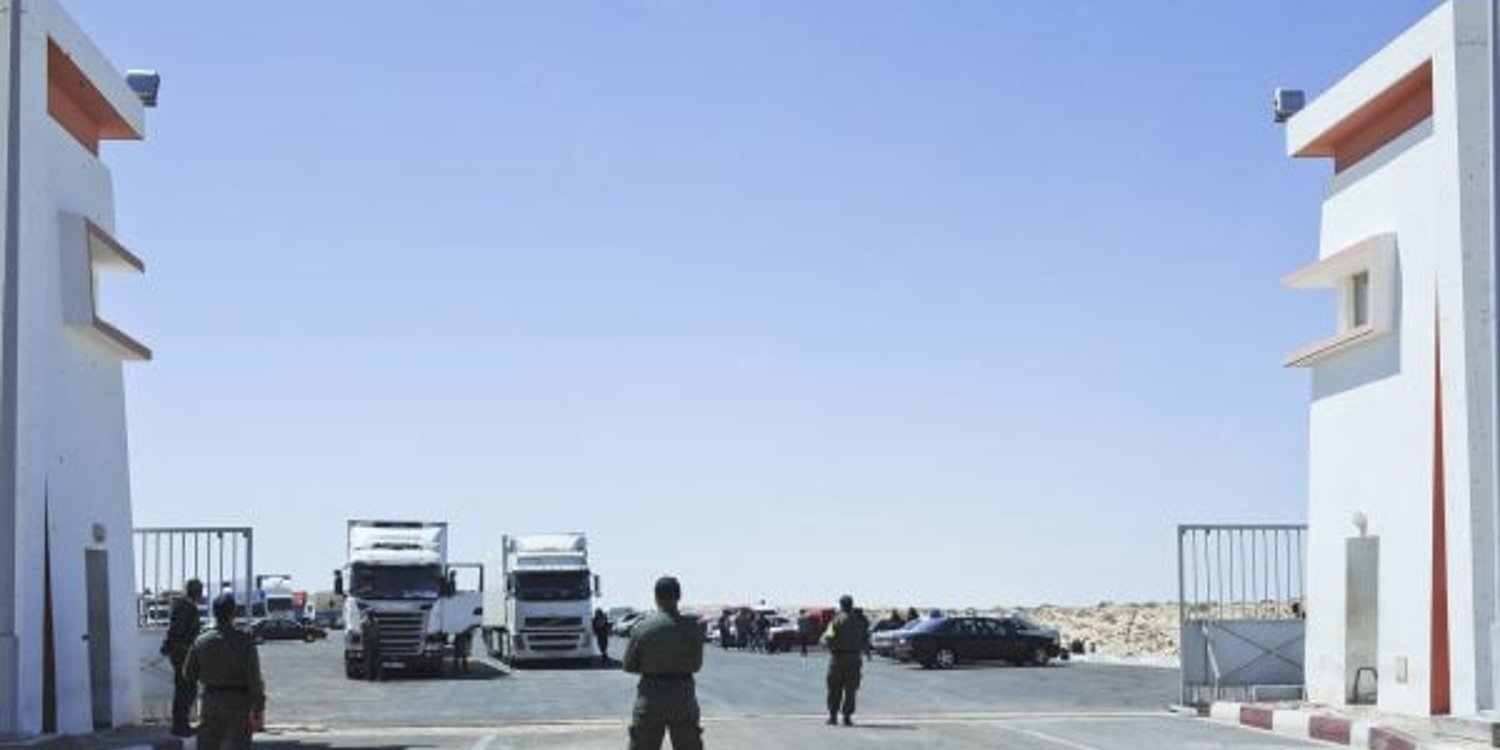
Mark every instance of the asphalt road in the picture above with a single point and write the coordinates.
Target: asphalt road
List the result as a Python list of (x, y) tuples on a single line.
[(1083, 733), (748, 701)]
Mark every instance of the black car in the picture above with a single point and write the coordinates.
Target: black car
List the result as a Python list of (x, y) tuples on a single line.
[(944, 643), (883, 642), (286, 630)]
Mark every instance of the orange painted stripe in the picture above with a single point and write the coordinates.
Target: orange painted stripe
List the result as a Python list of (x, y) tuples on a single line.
[(1441, 702)]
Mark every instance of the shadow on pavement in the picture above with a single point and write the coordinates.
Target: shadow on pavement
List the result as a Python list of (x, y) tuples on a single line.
[(883, 727), (478, 670), (274, 744), (978, 665), (582, 665)]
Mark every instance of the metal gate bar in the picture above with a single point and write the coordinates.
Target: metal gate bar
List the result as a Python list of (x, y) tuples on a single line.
[(170, 556), (1240, 606)]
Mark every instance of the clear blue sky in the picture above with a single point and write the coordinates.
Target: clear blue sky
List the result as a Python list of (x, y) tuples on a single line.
[(929, 302)]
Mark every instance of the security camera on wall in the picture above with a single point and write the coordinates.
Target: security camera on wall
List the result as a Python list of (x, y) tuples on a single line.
[(145, 84), (1287, 102)]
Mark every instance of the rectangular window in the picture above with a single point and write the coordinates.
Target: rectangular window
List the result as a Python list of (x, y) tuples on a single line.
[(1363, 277), (1359, 299)]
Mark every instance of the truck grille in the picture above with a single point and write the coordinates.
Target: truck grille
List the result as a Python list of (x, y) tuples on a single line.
[(558, 641), (401, 633), (554, 622)]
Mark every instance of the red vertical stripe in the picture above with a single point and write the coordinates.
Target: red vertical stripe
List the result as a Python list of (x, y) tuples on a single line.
[(1441, 700)]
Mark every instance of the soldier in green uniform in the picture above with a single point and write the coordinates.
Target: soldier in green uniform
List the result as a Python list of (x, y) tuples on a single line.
[(181, 632), (666, 650), (845, 639), (224, 659), (369, 632)]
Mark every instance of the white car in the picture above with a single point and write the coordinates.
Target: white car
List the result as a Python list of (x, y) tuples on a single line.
[(622, 628), (783, 633)]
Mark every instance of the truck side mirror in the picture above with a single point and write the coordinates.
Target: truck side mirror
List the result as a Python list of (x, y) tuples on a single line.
[(598, 590), (338, 582), (450, 584)]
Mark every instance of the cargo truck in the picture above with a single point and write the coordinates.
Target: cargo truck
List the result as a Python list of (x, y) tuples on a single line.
[(539, 599), (397, 575), (276, 591)]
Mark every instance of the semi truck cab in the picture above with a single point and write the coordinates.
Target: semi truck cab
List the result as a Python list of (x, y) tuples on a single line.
[(543, 609), (395, 580)]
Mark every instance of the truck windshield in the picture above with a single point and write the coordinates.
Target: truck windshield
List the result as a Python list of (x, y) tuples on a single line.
[(396, 581), (569, 585), (279, 606)]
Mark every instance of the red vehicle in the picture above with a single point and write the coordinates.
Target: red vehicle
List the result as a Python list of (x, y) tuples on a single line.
[(806, 630)]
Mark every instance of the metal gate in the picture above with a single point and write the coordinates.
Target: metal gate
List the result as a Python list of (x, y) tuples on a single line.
[(1240, 595), (223, 558)]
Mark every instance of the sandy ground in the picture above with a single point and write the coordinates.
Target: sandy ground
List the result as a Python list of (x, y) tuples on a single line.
[(1146, 630)]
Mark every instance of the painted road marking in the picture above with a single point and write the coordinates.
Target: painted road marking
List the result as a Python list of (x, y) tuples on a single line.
[(1052, 739), (567, 724), (484, 743)]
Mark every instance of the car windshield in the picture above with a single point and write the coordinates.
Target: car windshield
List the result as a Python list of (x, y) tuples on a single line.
[(927, 625), (571, 585), (396, 581)]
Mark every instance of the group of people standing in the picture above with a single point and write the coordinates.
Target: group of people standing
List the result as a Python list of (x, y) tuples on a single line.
[(746, 629), (225, 662), (666, 650)]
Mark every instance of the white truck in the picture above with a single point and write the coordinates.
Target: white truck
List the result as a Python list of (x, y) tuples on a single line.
[(276, 589), (398, 577), (539, 601)]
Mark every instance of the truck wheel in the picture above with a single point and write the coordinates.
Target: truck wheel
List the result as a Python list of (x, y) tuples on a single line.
[(353, 670)]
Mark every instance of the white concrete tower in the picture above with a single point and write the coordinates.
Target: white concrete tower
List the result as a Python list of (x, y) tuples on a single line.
[(1401, 559), (68, 660)]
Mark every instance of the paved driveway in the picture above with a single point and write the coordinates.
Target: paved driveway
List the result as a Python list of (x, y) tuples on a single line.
[(749, 701)]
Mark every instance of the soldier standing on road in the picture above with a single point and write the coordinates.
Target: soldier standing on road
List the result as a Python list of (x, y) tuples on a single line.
[(181, 632), (845, 639), (463, 643), (807, 626), (224, 659), (369, 634), (601, 635), (666, 650)]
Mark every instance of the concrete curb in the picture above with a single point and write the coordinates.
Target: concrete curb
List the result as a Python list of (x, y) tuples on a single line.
[(1314, 725), (126, 739)]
